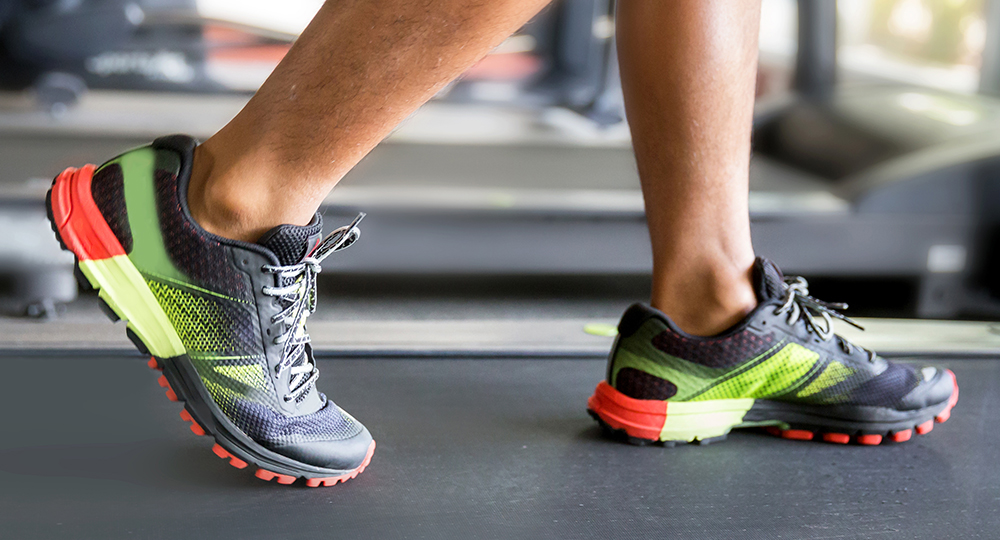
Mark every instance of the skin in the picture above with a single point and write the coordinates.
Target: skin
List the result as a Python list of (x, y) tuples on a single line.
[(362, 66), (689, 96)]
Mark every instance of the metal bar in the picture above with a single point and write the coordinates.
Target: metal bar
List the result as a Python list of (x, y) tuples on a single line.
[(816, 60), (989, 72)]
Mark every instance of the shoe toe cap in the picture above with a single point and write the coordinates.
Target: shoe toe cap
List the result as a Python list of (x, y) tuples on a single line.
[(936, 386), (342, 455)]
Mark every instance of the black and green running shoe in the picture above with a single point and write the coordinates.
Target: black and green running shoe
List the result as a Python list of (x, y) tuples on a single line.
[(781, 368), (224, 320)]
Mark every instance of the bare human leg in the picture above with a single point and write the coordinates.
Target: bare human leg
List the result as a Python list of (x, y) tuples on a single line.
[(688, 72), (360, 68)]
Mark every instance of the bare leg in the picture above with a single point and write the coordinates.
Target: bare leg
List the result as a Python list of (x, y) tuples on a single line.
[(688, 71), (360, 68)]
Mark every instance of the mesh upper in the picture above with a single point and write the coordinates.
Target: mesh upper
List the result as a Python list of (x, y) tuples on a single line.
[(264, 425), (289, 242), (108, 190), (215, 316), (886, 388), (196, 255), (714, 352), (209, 324), (768, 280), (746, 363), (638, 384)]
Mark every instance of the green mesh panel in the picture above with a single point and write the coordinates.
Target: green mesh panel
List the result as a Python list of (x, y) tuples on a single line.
[(774, 376), (207, 325), (229, 380), (834, 374), (782, 369), (788, 372)]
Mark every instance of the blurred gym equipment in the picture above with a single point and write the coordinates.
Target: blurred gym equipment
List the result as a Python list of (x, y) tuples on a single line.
[(59, 48), (871, 182), (918, 172)]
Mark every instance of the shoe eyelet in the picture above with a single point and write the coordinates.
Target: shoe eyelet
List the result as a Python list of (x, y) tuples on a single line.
[(246, 262)]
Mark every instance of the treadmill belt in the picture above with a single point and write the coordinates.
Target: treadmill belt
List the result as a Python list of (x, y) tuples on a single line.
[(471, 449)]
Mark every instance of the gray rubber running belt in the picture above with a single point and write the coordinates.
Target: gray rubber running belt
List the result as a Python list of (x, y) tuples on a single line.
[(471, 449)]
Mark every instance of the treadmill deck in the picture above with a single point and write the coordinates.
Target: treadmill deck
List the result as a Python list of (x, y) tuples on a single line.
[(471, 449)]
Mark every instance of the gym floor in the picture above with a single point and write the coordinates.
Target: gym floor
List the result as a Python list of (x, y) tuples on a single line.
[(471, 448)]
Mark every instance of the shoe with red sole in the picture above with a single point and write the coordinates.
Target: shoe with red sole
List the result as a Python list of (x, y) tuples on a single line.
[(224, 320), (781, 368)]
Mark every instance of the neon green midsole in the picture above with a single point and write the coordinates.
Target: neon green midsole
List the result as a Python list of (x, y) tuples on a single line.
[(122, 286), (690, 420)]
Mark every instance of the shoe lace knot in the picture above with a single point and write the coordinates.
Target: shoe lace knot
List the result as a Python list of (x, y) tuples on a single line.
[(297, 294), (798, 304)]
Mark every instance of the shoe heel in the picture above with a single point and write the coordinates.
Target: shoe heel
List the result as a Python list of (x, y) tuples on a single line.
[(664, 421), (81, 229)]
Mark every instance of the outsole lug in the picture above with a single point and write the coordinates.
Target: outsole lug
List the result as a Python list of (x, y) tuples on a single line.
[(136, 341), (837, 438), (218, 450), (108, 310), (902, 436), (797, 434), (195, 426), (710, 440), (636, 441), (267, 475), (334, 480), (925, 428), (81, 280), (622, 435), (870, 440)]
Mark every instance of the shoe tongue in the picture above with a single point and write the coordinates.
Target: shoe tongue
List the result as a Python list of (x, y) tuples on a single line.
[(768, 281), (291, 243)]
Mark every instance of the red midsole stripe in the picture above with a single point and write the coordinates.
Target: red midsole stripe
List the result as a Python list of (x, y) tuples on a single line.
[(638, 417), (81, 224)]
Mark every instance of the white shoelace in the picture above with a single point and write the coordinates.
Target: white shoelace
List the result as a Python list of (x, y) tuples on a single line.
[(299, 296), (798, 304)]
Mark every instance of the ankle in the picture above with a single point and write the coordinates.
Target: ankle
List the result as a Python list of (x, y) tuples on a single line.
[(705, 302), (225, 200)]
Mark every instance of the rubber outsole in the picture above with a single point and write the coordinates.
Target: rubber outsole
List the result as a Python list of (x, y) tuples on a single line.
[(634, 421), (222, 447)]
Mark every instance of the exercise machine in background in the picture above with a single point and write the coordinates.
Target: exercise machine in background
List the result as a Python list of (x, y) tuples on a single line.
[(60, 48)]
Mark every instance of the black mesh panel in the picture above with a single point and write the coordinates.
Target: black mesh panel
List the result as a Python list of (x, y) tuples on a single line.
[(108, 189), (289, 242), (714, 352), (641, 385), (198, 256)]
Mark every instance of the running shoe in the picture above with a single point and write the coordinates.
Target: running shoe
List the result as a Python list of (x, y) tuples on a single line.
[(782, 368), (224, 320)]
